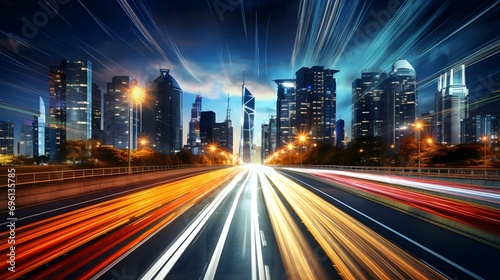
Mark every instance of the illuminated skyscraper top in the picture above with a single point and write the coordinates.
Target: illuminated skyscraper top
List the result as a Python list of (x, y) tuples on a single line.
[(247, 126), (451, 107)]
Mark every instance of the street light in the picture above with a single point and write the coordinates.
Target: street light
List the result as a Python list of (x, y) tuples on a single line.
[(485, 139), (418, 125), (143, 142), (302, 139), (212, 149), (137, 94), (290, 148)]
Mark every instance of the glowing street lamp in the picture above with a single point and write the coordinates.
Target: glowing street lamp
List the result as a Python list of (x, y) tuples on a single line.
[(137, 94), (290, 148), (212, 149), (485, 139), (302, 140), (143, 142), (418, 126)]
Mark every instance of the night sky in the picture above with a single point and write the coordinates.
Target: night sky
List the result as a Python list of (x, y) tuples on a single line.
[(208, 45)]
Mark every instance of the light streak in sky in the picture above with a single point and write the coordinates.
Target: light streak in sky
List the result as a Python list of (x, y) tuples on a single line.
[(267, 39), (257, 68), (101, 24), (180, 57), (223, 66), (324, 30), (243, 19), (140, 26), (485, 51)]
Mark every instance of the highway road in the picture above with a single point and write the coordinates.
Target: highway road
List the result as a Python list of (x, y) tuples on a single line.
[(256, 222)]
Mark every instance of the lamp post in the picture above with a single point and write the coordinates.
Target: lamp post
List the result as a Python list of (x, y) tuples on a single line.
[(137, 94), (485, 139), (302, 139), (212, 149), (290, 147), (418, 126)]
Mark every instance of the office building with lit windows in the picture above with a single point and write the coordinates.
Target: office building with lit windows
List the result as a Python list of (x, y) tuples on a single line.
[(451, 107), (316, 101), (384, 106), (121, 113), (286, 120), (70, 102)]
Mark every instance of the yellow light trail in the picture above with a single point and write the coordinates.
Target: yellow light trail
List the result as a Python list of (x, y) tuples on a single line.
[(40, 242), (356, 251)]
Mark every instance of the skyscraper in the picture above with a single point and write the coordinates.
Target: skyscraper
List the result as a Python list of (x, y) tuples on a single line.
[(384, 106), (401, 103), (70, 93), (40, 138), (119, 113), (316, 101), (340, 133), (286, 118), (26, 139), (97, 119), (6, 138), (451, 107), (193, 137), (162, 116), (368, 113), (207, 123), (247, 126)]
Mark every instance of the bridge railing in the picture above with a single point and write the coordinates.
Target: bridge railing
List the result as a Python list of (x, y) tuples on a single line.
[(468, 173), (74, 174)]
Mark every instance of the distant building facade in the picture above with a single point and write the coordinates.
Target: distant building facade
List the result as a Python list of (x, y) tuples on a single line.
[(193, 137), (70, 99), (247, 129), (385, 106), (316, 102), (121, 114), (451, 107), (6, 138), (162, 124), (286, 117)]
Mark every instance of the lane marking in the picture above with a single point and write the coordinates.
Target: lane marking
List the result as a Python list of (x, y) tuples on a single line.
[(256, 233), (214, 261), (450, 262), (165, 262)]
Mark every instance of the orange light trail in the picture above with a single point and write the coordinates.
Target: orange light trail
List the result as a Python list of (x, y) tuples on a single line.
[(134, 216)]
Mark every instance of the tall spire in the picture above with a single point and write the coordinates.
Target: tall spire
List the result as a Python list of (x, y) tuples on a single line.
[(228, 110)]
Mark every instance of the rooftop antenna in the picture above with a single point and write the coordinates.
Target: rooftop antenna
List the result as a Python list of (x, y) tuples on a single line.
[(228, 110)]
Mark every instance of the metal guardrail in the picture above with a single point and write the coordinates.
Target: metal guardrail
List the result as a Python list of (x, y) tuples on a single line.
[(65, 175), (465, 173)]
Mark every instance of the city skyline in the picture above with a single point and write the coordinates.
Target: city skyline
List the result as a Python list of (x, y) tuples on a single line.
[(208, 45)]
